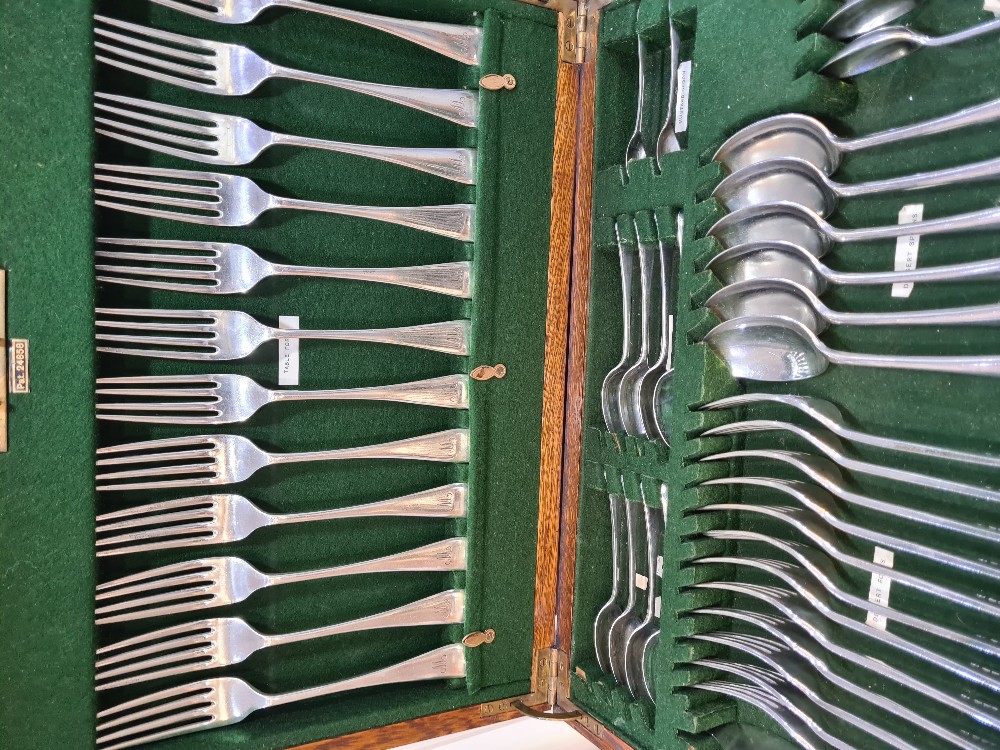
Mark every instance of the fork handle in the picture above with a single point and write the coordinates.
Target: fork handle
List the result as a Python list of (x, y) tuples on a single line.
[(457, 41), (456, 164), (457, 221), (455, 105), (453, 279), (450, 392), (450, 338), (446, 608), (445, 663), (450, 446), (449, 501)]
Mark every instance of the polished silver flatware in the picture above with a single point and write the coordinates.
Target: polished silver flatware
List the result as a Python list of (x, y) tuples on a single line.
[(666, 141), (223, 519), (220, 581), (227, 140), (662, 396), (882, 46), (634, 416), (226, 200), (782, 350), (235, 70), (630, 619), (222, 335), (636, 148), (804, 137), (206, 460), (855, 17), (639, 677), (223, 641), (457, 41), (221, 701)]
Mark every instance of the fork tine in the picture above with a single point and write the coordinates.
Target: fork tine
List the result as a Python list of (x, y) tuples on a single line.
[(182, 583), (185, 517), (160, 353), (139, 607), (160, 443), (192, 260), (154, 135), (203, 527), (170, 273), (143, 312), (206, 247), (196, 502), (195, 406), (162, 542), (210, 128), (191, 688), (182, 664), (158, 213), (178, 648), (200, 75), (156, 75), (162, 392), (177, 174), (164, 200), (175, 632), (165, 340), (188, 41), (203, 564), (188, 721), (190, 700), (158, 471), (172, 484), (208, 15), (730, 402)]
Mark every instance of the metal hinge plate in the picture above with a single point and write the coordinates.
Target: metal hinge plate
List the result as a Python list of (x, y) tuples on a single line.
[(577, 27)]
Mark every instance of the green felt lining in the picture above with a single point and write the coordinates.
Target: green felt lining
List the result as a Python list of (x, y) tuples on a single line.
[(753, 59), (49, 255)]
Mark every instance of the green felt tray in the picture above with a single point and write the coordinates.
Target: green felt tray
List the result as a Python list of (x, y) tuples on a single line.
[(753, 59), (47, 488)]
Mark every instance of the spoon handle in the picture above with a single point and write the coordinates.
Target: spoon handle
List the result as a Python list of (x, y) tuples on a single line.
[(981, 170), (977, 115), (973, 221), (986, 366), (956, 316), (975, 271), (647, 259), (990, 27), (627, 262)]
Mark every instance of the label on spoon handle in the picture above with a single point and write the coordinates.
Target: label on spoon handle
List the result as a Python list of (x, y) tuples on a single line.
[(288, 353), (992, 6), (683, 97), (907, 247), (881, 585)]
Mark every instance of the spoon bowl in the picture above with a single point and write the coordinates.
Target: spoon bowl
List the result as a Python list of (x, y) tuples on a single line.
[(791, 135), (781, 179), (770, 260), (873, 50), (857, 17), (774, 222), (769, 297), (770, 349)]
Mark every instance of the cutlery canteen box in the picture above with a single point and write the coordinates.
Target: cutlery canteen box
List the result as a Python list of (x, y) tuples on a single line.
[(557, 88)]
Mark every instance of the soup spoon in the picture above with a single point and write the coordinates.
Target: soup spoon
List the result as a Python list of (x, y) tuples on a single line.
[(858, 16), (799, 181), (788, 221), (883, 46), (804, 137), (782, 350), (785, 260), (786, 299)]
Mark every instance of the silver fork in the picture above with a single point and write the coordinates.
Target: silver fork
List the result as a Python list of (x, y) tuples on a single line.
[(220, 335), (223, 641), (235, 70), (228, 140), (228, 268), (456, 41), (229, 459), (226, 200), (830, 417), (826, 474), (221, 519), (221, 701), (219, 581), (802, 667), (230, 399), (830, 445)]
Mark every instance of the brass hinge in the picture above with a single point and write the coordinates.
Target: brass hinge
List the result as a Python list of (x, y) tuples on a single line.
[(577, 27)]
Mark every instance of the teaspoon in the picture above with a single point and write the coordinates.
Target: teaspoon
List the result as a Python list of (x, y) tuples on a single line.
[(799, 181), (781, 350), (804, 137), (633, 415), (855, 17), (785, 260), (786, 299), (772, 222), (610, 406), (883, 46)]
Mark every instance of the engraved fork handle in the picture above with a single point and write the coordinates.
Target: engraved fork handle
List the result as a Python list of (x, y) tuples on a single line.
[(449, 554), (445, 608), (450, 391), (453, 279), (449, 501), (452, 40), (451, 446), (456, 105), (456, 221), (457, 164), (441, 664), (450, 338)]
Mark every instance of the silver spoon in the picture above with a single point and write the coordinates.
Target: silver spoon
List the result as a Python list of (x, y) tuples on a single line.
[(827, 475), (663, 392), (667, 142), (858, 16), (636, 149), (786, 299), (610, 406), (804, 137), (637, 676), (830, 417), (629, 620), (883, 46), (799, 181), (633, 415), (786, 260), (772, 222), (612, 609), (781, 350), (645, 392)]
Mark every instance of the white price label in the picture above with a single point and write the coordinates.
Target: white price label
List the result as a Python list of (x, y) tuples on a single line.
[(683, 97), (907, 247), (641, 582), (659, 566), (879, 590), (992, 6), (288, 353), (656, 607)]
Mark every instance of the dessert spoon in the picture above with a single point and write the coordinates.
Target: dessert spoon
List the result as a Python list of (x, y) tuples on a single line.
[(858, 16)]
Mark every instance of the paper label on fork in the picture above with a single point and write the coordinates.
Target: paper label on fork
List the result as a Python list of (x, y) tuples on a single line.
[(683, 97), (879, 590), (992, 6), (288, 353), (907, 247)]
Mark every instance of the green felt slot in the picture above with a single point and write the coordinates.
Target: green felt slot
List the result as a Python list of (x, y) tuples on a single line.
[(752, 60), (47, 489)]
